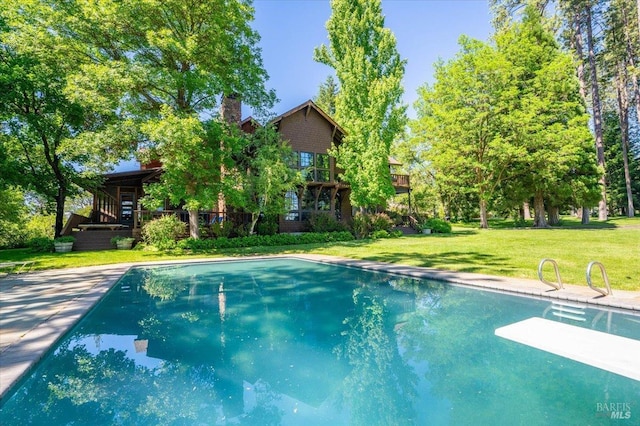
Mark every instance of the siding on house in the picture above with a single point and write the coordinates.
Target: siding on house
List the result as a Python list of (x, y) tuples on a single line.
[(309, 130)]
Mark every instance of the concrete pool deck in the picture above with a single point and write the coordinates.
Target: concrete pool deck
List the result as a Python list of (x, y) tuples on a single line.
[(38, 308)]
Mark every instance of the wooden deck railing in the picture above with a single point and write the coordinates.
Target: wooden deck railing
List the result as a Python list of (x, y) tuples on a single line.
[(140, 217), (400, 180)]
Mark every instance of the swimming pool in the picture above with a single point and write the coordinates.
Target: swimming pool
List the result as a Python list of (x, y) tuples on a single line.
[(294, 342)]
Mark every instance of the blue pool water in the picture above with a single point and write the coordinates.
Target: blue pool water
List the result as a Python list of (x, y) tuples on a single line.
[(299, 343)]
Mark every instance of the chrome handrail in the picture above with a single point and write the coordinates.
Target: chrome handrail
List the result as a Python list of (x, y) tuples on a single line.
[(604, 277), (557, 286)]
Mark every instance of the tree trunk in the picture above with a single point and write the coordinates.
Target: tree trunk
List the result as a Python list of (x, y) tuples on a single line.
[(527, 211), (576, 43), (586, 213), (554, 216), (597, 112), (231, 113), (632, 63), (194, 224), (254, 220), (484, 223), (623, 112), (539, 219), (60, 200)]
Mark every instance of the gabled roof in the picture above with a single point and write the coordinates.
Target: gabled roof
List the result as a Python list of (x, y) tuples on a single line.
[(394, 162), (249, 119), (307, 107), (132, 178)]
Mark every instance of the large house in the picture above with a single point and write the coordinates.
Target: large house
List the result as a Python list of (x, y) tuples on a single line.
[(310, 132)]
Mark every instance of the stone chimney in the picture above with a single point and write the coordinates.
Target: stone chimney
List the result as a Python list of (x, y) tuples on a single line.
[(231, 109), (231, 112)]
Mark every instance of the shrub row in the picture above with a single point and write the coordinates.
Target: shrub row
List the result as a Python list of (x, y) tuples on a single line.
[(365, 225), (163, 232), (264, 240)]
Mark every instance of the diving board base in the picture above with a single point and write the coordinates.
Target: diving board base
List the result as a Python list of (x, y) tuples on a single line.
[(609, 352)]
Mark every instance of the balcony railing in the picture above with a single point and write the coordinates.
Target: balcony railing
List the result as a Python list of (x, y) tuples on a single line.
[(400, 180)]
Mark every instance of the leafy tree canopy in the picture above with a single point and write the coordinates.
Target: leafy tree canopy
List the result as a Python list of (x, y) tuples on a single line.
[(57, 142), (369, 69)]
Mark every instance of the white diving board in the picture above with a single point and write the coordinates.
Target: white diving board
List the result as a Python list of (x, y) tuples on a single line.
[(617, 354)]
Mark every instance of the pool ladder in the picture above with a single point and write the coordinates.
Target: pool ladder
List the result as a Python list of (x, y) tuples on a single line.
[(558, 284), (604, 277)]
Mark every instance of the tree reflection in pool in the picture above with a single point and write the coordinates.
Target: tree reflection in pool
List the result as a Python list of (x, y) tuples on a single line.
[(294, 342)]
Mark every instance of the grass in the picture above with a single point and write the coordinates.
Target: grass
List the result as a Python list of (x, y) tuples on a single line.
[(504, 250)]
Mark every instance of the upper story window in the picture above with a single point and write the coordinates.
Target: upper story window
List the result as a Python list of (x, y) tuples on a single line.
[(314, 167), (322, 168), (306, 159)]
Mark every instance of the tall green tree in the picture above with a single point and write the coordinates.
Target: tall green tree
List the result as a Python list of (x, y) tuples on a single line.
[(620, 59), (507, 123), (369, 70), (463, 120), (184, 55), (586, 25), (190, 152), (549, 120), (58, 142), (596, 105), (617, 190)]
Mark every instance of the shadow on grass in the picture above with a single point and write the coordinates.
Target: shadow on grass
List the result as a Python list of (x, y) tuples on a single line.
[(464, 261), (565, 223)]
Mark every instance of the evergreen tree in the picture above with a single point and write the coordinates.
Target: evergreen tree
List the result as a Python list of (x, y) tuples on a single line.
[(620, 60), (326, 97), (616, 176), (549, 121), (369, 70), (508, 124)]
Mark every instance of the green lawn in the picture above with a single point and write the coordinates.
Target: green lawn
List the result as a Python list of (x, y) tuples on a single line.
[(513, 252)]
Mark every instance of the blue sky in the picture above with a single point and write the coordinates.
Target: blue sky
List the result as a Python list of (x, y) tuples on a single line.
[(425, 31)]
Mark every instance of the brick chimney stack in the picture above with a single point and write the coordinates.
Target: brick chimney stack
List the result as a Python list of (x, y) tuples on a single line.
[(231, 109), (231, 112)]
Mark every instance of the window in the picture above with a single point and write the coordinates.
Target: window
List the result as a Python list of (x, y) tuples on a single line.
[(292, 203), (306, 159), (308, 174), (314, 167), (294, 160), (324, 200), (322, 168), (322, 161), (308, 200)]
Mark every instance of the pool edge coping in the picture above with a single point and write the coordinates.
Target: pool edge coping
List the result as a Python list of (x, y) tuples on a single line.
[(21, 355)]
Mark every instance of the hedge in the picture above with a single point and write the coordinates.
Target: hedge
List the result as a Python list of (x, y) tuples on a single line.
[(264, 240)]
